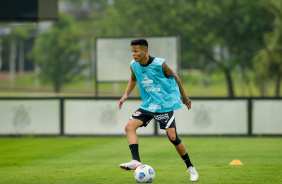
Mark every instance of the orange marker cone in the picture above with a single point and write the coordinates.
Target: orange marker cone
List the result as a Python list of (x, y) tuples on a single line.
[(236, 162)]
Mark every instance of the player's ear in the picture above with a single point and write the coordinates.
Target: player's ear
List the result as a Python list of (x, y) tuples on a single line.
[(146, 49)]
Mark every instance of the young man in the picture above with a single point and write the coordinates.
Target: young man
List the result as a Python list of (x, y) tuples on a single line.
[(159, 87)]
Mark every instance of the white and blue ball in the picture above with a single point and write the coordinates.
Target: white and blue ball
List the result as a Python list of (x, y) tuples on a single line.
[(144, 174)]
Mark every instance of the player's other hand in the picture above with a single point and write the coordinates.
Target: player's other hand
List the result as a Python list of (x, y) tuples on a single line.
[(123, 98), (187, 102)]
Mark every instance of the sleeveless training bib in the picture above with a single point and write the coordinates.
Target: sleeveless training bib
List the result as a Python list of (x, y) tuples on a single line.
[(159, 94)]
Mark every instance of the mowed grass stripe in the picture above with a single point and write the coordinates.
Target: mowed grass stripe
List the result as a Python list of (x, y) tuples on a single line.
[(96, 160)]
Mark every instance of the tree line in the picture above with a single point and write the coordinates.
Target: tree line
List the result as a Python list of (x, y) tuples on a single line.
[(221, 35)]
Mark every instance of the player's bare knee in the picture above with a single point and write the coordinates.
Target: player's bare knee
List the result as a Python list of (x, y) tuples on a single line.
[(128, 127), (172, 137)]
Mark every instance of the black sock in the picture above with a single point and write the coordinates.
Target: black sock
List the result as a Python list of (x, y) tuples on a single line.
[(186, 159), (134, 152)]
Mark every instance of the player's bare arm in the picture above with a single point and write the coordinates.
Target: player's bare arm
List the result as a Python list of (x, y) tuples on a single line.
[(169, 73), (130, 86)]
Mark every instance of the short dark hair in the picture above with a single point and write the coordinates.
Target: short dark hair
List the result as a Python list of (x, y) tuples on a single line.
[(139, 41)]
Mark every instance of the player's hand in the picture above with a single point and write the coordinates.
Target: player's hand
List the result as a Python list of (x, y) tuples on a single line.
[(123, 98), (187, 102)]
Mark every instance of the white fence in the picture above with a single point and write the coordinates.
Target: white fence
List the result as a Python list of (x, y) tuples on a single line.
[(95, 116)]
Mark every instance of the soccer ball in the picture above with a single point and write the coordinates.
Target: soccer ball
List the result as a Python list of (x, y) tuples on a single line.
[(144, 174)]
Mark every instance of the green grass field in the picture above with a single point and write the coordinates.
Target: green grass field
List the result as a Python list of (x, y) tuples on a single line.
[(95, 160)]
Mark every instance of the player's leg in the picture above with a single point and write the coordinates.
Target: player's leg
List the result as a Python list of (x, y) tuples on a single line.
[(137, 120), (130, 129), (181, 149), (167, 122), (132, 137), (179, 145)]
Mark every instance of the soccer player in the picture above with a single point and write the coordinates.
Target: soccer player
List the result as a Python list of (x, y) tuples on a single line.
[(160, 90)]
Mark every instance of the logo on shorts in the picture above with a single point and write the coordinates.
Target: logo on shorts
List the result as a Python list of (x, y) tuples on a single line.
[(137, 113), (162, 117)]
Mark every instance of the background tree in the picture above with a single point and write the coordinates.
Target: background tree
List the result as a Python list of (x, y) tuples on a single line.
[(216, 35), (57, 52), (268, 61), (86, 13), (226, 33), (221, 33)]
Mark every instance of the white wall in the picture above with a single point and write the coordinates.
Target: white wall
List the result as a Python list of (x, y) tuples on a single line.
[(205, 117), (267, 116), (209, 117), (102, 117), (29, 117)]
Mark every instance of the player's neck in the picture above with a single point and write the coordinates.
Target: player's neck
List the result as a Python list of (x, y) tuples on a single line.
[(145, 60)]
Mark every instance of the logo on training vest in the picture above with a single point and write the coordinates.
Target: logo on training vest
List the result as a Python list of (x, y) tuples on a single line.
[(153, 89), (153, 106), (146, 83)]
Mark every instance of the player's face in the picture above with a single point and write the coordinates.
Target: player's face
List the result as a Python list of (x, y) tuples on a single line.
[(139, 53)]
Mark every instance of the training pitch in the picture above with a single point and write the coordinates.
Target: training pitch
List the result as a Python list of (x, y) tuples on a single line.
[(96, 160)]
